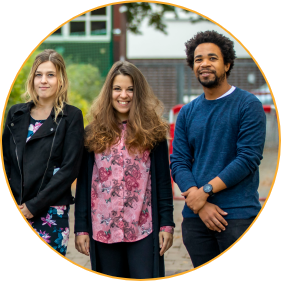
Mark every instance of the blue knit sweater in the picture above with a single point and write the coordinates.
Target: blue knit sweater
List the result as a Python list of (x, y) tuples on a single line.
[(223, 138)]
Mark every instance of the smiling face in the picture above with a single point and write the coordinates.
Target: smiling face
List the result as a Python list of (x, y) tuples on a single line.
[(122, 95), (209, 66), (46, 82)]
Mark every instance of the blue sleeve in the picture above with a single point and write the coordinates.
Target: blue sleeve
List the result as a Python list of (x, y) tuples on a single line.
[(182, 157), (250, 144)]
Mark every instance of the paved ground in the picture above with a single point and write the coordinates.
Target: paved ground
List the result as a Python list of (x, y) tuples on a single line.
[(177, 259)]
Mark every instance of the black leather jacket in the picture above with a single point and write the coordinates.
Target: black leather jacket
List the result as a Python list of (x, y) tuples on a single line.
[(30, 166)]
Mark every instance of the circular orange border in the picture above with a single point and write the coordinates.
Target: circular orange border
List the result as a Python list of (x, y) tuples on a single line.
[(184, 8)]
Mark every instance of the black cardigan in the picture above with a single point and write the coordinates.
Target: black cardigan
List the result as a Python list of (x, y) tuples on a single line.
[(161, 196)]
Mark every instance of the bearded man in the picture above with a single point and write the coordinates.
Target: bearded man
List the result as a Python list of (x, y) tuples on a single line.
[(217, 149)]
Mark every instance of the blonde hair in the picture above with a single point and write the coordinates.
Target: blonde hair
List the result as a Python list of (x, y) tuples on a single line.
[(145, 126), (61, 94)]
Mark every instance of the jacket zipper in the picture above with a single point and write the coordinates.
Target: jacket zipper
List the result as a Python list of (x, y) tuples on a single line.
[(16, 150), (49, 157)]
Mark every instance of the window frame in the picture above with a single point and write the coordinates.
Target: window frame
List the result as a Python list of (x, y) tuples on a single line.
[(88, 18)]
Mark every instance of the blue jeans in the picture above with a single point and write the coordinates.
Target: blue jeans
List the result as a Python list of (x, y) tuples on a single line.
[(204, 244)]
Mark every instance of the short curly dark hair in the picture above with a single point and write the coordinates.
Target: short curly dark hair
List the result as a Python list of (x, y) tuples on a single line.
[(226, 46)]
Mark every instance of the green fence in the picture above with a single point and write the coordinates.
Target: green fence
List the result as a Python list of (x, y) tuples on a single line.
[(95, 53)]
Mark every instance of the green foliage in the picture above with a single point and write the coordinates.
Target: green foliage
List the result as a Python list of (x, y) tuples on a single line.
[(78, 101), (85, 85), (136, 12), (85, 80)]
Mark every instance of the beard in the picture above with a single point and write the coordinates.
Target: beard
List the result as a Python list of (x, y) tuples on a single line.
[(214, 82)]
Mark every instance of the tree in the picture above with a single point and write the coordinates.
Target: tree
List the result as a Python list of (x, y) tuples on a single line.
[(85, 84), (136, 12)]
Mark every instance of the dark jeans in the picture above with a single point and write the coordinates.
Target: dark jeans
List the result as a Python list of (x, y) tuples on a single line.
[(126, 259), (204, 244)]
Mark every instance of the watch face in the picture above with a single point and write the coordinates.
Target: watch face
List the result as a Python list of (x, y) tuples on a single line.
[(207, 188)]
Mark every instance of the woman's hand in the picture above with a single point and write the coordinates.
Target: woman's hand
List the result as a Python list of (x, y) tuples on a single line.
[(82, 244), (165, 241), (25, 211)]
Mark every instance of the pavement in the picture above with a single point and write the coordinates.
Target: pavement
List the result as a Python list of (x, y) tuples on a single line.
[(177, 259)]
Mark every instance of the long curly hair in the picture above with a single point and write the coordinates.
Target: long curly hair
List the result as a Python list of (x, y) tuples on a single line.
[(226, 46), (145, 126), (61, 94)]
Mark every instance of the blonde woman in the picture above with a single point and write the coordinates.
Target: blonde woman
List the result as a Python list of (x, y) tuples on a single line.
[(42, 148), (124, 207)]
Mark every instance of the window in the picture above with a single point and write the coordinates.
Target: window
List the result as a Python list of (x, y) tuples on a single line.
[(77, 28), (98, 28), (98, 12), (91, 26)]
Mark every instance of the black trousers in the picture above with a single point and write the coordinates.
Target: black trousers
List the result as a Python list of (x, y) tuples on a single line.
[(204, 244), (126, 259)]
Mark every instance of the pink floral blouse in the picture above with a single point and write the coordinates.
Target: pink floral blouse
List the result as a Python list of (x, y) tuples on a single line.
[(121, 196)]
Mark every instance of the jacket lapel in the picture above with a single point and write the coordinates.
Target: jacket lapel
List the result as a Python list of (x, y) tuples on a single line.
[(47, 128), (20, 123)]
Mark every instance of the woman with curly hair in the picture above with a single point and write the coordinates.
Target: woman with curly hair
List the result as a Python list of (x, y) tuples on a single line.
[(124, 203), (42, 148)]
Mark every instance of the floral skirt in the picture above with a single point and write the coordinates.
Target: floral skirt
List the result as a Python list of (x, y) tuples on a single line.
[(53, 227)]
